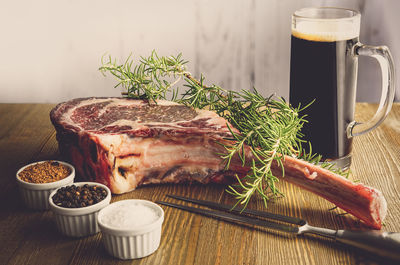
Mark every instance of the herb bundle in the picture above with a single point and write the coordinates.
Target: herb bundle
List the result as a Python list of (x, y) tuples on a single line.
[(268, 126)]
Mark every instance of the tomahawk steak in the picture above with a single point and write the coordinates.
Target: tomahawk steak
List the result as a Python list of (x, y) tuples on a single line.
[(124, 143)]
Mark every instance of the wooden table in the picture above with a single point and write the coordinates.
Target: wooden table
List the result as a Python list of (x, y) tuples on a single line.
[(30, 237)]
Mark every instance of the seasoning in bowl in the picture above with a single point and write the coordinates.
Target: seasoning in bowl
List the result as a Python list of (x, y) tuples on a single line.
[(79, 196), (131, 229), (37, 180), (44, 172), (76, 207)]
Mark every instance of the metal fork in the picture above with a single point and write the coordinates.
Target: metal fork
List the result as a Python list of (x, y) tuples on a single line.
[(385, 244)]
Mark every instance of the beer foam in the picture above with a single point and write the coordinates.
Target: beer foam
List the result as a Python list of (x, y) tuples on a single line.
[(327, 31)]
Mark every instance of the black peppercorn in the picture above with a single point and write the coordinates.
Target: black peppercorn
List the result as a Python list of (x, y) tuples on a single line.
[(79, 196)]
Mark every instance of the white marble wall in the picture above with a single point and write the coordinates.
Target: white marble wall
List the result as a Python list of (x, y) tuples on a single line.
[(51, 50)]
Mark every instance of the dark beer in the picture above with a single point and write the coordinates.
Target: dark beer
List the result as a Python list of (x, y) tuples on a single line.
[(327, 72)]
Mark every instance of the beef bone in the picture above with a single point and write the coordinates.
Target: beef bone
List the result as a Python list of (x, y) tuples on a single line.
[(365, 203)]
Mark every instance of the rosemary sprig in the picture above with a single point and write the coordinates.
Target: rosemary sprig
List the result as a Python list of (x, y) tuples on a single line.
[(269, 127), (148, 79)]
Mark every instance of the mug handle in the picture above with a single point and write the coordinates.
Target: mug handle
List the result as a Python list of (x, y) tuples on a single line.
[(383, 56)]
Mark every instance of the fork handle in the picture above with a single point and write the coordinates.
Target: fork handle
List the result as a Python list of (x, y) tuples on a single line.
[(385, 244)]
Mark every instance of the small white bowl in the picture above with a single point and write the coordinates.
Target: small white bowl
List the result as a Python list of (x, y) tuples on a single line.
[(131, 243), (79, 222), (36, 195)]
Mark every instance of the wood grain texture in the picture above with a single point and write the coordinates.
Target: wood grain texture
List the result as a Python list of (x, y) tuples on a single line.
[(30, 237)]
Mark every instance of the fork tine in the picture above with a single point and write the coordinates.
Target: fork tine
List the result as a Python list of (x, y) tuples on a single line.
[(230, 208), (235, 218)]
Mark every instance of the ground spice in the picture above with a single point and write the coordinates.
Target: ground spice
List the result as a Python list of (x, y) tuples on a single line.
[(44, 172), (79, 196)]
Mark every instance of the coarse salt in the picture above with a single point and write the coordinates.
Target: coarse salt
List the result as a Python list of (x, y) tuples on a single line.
[(129, 215)]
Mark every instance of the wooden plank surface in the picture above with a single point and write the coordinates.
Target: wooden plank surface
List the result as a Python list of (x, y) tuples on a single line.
[(30, 237)]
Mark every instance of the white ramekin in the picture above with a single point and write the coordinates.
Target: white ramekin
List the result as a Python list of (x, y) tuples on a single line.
[(36, 195), (79, 222), (131, 243)]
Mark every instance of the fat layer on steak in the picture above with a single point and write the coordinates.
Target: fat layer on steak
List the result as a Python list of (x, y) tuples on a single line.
[(124, 143)]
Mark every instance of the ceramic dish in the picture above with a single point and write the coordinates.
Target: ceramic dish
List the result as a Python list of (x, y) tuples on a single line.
[(131, 242), (79, 222), (36, 195)]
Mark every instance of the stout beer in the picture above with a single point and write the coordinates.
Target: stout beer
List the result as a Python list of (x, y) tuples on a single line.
[(323, 71)]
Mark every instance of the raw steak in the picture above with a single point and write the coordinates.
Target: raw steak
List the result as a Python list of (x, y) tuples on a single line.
[(124, 143)]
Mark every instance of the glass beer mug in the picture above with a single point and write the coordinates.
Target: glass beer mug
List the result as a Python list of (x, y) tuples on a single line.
[(324, 59)]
